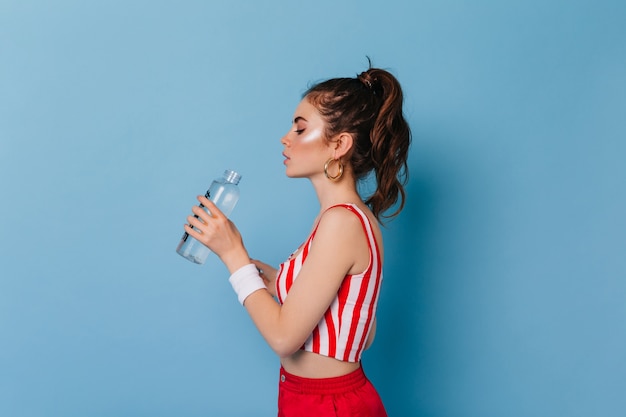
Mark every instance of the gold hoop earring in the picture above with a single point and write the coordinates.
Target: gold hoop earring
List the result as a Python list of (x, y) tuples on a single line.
[(339, 174)]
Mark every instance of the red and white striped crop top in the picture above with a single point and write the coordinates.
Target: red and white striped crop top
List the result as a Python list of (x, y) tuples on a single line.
[(343, 331)]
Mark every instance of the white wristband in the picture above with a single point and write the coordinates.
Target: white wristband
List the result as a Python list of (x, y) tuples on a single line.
[(245, 281)]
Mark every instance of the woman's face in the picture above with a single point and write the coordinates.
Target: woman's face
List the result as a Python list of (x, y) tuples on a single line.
[(306, 149)]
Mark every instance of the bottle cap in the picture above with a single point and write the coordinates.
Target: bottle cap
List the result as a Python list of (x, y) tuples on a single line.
[(232, 176)]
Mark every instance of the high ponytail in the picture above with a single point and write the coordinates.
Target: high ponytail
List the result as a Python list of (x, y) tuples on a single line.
[(370, 108)]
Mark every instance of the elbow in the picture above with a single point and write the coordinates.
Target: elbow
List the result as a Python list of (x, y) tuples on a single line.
[(283, 353), (284, 347)]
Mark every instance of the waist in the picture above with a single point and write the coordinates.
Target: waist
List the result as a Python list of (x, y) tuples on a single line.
[(333, 385), (314, 365)]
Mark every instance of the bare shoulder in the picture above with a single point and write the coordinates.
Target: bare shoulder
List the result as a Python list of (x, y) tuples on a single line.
[(340, 219), (350, 223), (345, 226)]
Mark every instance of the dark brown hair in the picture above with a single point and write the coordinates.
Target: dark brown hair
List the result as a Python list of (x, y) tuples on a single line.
[(369, 107)]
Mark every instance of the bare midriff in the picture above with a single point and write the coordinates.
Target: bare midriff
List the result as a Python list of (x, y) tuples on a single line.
[(312, 365)]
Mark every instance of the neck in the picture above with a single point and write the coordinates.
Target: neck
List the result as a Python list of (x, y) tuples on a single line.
[(330, 193)]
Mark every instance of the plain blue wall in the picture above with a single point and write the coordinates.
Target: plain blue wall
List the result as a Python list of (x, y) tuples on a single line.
[(505, 285)]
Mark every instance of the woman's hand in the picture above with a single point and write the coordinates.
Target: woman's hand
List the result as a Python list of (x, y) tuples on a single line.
[(218, 233), (268, 273)]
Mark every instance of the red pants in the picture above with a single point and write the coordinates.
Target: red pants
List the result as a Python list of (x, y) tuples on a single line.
[(351, 395)]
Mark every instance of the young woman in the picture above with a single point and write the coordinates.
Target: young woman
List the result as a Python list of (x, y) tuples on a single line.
[(317, 310)]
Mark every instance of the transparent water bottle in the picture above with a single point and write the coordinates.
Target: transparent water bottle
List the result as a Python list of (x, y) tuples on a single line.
[(224, 193)]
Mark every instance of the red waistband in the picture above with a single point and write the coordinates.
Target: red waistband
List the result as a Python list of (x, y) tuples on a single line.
[(333, 385)]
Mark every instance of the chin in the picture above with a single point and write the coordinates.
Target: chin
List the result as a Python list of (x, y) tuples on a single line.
[(294, 175), (289, 173), (298, 173)]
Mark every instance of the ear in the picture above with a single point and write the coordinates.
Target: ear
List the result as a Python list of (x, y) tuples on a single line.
[(342, 145)]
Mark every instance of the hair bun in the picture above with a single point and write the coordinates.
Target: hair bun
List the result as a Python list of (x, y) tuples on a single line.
[(367, 80)]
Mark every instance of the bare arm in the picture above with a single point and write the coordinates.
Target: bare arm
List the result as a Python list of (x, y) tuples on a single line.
[(330, 258)]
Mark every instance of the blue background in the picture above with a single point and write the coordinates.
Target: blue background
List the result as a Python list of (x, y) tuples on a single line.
[(505, 280)]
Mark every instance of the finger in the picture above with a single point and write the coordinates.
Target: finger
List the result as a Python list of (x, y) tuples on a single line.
[(268, 270), (203, 200), (259, 267), (258, 264), (192, 232), (200, 213), (195, 222), (215, 212)]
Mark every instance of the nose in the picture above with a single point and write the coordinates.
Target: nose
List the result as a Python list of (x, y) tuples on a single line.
[(284, 139)]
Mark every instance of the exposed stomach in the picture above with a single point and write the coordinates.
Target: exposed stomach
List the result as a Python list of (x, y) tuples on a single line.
[(312, 365)]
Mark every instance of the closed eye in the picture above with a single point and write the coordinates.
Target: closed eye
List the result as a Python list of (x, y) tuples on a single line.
[(298, 122)]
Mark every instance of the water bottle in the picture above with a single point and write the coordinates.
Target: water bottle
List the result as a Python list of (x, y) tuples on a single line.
[(224, 193)]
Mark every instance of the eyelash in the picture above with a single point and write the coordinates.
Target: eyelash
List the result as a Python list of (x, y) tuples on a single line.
[(299, 131)]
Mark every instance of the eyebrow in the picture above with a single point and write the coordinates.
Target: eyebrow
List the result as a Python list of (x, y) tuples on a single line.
[(297, 119)]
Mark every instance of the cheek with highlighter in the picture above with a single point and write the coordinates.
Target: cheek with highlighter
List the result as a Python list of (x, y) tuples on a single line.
[(310, 136)]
